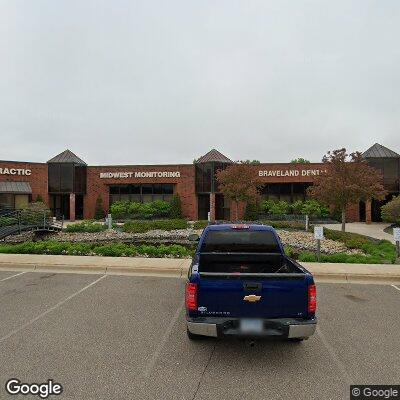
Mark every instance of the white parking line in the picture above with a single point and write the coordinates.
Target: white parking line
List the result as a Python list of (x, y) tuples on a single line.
[(149, 368), (12, 276), (49, 310), (396, 287), (340, 365)]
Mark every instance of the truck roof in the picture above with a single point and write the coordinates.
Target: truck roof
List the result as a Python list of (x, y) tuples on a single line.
[(251, 227)]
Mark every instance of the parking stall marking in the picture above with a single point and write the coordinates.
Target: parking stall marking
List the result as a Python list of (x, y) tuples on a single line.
[(340, 365), (396, 287), (149, 368), (59, 304), (12, 276)]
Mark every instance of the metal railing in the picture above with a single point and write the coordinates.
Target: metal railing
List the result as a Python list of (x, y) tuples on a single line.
[(15, 222)]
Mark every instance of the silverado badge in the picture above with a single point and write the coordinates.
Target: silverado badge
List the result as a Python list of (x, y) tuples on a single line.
[(252, 298)]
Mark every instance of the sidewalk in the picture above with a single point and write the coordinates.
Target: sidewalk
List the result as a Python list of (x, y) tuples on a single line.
[(169, 267), (374, 230)]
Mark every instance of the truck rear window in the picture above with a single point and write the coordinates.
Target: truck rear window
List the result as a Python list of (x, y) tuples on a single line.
[(240, 241)]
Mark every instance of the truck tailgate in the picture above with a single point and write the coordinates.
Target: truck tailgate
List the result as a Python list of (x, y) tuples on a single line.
[(237, 297)]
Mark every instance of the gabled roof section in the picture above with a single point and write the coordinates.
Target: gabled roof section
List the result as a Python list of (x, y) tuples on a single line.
[(379, 151), (213, 156), (68, 157)]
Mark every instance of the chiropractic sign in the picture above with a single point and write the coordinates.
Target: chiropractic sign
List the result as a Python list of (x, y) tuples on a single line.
[(291, 172), (15, 171), (140, 174)]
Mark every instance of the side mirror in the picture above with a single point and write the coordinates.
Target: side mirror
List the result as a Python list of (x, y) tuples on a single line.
[(194, 237)]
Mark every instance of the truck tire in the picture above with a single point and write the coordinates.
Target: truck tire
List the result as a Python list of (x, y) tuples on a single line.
[(193, 336)]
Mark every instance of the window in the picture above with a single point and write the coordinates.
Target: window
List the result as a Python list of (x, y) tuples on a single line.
[(6, 201), (141, 193), (67, 178), (240, 241)]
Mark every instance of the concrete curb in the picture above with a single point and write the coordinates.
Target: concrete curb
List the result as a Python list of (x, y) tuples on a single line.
[(177, 268), (96, 270)]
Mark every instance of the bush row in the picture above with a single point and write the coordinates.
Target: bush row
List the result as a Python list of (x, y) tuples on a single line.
[(155, 209), (145, 226), (308, 207), (86, 226), (107, 250)]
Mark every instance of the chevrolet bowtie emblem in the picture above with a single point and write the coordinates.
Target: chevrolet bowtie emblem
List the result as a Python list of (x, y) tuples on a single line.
[(252, 298)]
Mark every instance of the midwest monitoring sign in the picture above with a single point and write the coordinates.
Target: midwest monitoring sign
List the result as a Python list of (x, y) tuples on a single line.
[(140, 174)]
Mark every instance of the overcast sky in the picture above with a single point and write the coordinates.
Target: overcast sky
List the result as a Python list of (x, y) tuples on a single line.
[(149, 81)]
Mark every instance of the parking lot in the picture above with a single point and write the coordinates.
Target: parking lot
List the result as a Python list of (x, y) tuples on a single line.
[(121, 337)]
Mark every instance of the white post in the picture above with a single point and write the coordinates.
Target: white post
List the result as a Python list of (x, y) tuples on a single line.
[(109, 221), (396, 235), (307, 222), (318, 236)]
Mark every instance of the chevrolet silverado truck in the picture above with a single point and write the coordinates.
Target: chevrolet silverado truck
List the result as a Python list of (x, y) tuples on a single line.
[(241, 283)]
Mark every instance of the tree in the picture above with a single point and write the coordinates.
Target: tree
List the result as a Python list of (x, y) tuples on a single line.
[(99, 210), (238, 182), (348, 179), (300, 160), (391, 211), (252, 162), (176, 207)]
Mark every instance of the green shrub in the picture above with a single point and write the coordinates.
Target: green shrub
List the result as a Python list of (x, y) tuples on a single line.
[(145, 226), (314, 209), (86, 226), (251, 211), (297, 207), (35, 213), (99, 210), (266, 206), (175, 211), (8, 221), (108, 250), (135, 210), (200, 224), (295, 225), (391, 211)]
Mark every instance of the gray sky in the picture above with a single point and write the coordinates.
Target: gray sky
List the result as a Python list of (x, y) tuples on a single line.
[(164, 81)]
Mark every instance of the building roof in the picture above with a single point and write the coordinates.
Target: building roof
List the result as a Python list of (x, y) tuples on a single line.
[(67, 156), (214, 156), (15, 187), (379, 151)]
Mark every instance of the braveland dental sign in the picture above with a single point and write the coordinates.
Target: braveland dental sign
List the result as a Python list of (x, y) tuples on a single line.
[(140, 174), (291, 172), (15, 171)]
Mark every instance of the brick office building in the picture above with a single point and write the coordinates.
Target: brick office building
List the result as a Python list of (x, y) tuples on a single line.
[(70, 187)]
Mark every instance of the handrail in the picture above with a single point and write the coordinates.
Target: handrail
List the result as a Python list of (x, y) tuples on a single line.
[(16, 221)]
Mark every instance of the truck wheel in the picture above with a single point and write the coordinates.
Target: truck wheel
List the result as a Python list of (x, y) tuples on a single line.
[(193, 336)]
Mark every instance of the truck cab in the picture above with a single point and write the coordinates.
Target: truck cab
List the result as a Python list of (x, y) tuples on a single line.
[(241, 283)]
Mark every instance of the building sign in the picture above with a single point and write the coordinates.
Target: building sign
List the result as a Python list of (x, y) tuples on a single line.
[(15, 171), (140, 174), (291, 172)]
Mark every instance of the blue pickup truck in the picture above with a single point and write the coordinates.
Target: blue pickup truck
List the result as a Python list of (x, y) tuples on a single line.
[(241, 283)]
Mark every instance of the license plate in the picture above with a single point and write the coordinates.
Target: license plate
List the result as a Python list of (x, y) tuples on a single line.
[(251, 325)]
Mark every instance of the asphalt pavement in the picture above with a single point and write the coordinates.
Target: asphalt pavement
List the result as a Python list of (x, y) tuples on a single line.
[(123, 337)]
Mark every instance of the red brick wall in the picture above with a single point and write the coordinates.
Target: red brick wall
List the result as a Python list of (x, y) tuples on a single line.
[(184, 185), (37, 179)]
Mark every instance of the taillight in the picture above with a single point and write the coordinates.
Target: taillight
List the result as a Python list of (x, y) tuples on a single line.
[(191, 296), (312, 299)]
